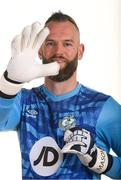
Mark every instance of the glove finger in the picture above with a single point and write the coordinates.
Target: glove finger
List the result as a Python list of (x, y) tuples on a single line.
[(35, 29), (72, 147), (47, 69), (67, 134), (16, 45), (37, 71), (40, 37), (25, 37)]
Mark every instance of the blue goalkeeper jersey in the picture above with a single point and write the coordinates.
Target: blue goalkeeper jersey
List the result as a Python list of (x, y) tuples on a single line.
[(41, 118)]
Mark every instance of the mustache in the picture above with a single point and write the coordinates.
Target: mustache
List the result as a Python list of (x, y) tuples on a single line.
[(54, 57)]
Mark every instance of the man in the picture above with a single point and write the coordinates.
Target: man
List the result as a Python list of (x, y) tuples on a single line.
[(66, 130)]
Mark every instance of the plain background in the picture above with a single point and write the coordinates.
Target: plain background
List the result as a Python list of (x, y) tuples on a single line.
[(99, 69)]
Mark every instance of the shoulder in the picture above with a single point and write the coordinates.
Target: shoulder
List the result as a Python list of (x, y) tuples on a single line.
[(111, 112), (27, 94), (93, 94)]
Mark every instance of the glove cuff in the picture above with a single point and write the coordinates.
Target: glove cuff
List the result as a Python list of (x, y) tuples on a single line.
[(10, 80), (103, 162), (9, 89)]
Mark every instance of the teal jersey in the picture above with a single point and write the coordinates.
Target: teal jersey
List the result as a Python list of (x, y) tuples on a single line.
[(41, 118)]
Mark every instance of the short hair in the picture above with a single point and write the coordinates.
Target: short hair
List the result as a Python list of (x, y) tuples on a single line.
[(61, 17)]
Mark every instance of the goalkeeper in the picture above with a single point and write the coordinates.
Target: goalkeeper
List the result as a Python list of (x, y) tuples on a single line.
[(66, 130)]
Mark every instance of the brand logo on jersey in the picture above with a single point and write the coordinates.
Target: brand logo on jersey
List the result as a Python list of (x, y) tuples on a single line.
[(32, 113), (46, 156)]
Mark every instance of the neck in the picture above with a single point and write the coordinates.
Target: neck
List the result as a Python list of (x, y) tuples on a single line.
[(59, 88)]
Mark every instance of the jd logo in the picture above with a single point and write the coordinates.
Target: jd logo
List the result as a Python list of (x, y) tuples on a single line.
[(45, 152), (45, 156)]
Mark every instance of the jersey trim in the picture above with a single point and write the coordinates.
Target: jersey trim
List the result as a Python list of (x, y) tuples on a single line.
[(61, 97)]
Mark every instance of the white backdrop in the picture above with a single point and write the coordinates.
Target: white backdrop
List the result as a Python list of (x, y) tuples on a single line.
[(100, 68)]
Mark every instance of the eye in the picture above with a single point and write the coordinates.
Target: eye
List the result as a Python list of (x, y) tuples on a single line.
[(50, 44), (67, 44)]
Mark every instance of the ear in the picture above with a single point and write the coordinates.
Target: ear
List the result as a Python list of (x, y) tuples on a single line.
[(81, 51), (40, 53)]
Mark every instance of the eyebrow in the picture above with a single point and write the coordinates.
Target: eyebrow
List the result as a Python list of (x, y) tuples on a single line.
[(66, 40), (69, 40)]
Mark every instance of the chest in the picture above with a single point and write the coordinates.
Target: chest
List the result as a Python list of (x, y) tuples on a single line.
[(46, 118), (42, 128)]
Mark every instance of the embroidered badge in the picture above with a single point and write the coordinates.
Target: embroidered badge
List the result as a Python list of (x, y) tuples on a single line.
[(67, 123)]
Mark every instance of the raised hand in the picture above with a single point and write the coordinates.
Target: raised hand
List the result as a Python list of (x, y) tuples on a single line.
[(22, 66)]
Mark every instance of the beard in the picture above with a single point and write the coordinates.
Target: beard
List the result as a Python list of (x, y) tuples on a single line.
[(66, 72)]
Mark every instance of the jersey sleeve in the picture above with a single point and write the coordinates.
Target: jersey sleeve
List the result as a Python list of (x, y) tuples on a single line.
[(108, 131), (10, 110)]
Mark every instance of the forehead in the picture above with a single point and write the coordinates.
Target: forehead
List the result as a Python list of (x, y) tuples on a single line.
[(63, 30)]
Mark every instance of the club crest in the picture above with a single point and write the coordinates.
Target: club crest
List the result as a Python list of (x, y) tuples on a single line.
[(67, 123)]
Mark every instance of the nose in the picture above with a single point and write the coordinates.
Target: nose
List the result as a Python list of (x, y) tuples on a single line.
[(59, 49)]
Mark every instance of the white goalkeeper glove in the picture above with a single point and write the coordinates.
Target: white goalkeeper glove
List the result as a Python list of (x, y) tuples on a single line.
[(79, 141), (22, 66)]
